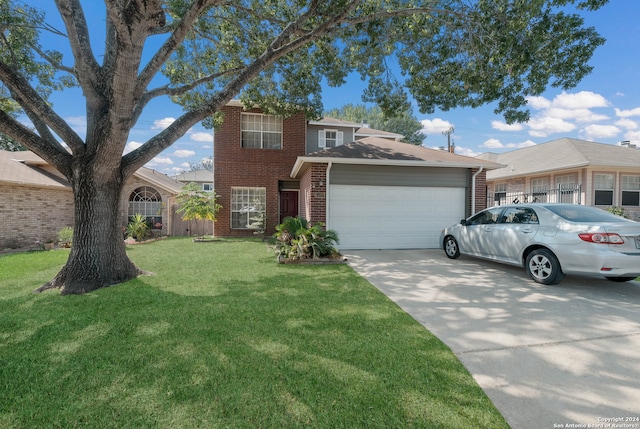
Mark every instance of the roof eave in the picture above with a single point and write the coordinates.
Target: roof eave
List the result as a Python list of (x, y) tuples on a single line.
[(297, 167)]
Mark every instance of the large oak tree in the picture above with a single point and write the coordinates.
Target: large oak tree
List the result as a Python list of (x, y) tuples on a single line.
[(276, 53)]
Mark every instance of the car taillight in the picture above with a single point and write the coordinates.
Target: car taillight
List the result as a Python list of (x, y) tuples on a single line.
[(601, 237)]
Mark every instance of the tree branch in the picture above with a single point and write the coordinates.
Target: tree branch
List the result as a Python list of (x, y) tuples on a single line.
[(87, 70), (167, 90), (55, 154), (30, 100), (170, 45)]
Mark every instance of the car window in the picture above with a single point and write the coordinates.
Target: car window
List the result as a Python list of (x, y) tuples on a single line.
[(578, 213), (519, 215), (485, 217)]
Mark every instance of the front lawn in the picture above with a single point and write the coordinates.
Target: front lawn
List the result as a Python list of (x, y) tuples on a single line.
[(222, 337)]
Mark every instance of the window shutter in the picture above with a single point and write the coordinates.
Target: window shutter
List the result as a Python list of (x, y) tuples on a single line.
[(339, 138), (321, 139)]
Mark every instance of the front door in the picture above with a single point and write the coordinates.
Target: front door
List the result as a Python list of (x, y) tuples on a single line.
[(288, 204)]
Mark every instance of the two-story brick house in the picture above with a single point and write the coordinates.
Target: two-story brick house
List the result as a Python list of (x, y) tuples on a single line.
[(374, 191)]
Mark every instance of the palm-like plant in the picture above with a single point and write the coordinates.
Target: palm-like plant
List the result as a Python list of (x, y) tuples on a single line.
[(297, 239)]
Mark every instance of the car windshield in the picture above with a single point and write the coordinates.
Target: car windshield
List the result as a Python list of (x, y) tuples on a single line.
[(578, 213)]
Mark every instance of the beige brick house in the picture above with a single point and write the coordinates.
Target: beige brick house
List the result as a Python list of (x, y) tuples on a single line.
[(36, 201), (568, 170)]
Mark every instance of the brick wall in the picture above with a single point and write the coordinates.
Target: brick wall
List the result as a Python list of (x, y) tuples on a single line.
[(235, 166), (313, 193), (28, 214), (481, 190)]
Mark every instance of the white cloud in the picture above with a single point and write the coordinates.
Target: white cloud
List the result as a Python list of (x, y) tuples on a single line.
[(544, 126), (161, 124), (132, 145), (161, 160), (77, 121), (633, 137), (579, 100), (185, 165), (497, 144), (593, 132), (538, 103), (627, 113), (183, 153), (202, 137), (466, 152), (627, 123), (435, 126), (580, 115), (502, 126), (492, 144)]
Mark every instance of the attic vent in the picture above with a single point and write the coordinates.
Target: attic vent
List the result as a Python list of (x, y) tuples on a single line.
[(627, 143)]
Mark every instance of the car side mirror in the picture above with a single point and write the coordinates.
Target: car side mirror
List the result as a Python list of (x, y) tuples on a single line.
[(463, 222)]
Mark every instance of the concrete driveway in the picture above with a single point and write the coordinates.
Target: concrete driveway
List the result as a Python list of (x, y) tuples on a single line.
[(566, 355)]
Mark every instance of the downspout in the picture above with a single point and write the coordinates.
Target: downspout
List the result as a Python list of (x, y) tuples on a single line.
[(326, 195), (473, 190)]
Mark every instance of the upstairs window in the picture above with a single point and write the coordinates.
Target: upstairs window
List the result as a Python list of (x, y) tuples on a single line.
[(603, 186), (329, 138), (261, 131), (631, 191)]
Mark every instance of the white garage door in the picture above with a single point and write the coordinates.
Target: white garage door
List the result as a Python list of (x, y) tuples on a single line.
[(392, 217)]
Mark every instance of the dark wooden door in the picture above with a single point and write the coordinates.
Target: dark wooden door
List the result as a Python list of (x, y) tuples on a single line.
[(288, 204)]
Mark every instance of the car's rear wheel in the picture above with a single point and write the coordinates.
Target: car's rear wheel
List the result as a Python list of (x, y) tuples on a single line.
[(451, 247), (620, 279), (543, 267)]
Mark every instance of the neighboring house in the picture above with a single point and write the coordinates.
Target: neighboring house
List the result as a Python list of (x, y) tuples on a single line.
[(568, 170), (203, 178), (374, 191), (36, 201)]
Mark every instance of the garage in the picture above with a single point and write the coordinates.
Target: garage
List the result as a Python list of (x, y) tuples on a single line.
[(382, 194), (392, 217)]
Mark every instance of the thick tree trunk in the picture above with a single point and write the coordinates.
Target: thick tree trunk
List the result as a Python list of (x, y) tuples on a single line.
[(98, 254)]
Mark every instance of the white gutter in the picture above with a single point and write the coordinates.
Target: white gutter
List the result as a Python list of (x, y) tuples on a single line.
[(473, 190), (326, 195)]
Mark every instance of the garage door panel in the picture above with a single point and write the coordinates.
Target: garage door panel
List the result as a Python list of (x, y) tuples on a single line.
[(392, 217)]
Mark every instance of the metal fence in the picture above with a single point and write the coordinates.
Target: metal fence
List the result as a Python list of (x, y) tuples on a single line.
[(570, 194)]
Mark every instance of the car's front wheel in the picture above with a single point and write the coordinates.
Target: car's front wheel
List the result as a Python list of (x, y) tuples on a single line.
[(451, 247), (543, 267)]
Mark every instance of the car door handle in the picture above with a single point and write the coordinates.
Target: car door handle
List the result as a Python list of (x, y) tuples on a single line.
[(526, 231)]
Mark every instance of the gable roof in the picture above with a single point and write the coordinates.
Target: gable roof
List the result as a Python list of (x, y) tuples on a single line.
[(360, 130), (381, 151), (27, 168), (561, 154), (203, 175)]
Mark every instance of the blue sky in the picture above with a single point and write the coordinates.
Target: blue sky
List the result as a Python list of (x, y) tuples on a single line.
[(604, 107)]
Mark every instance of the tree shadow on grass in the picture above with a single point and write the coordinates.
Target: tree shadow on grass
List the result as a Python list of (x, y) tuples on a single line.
[(287, 350)]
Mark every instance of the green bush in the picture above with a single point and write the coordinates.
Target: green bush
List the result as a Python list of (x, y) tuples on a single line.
[(65, 236), (297, 239)]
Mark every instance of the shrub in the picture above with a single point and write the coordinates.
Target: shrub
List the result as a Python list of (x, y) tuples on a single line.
[(297, 239), (617, 211), (65, 236), (138, 228)]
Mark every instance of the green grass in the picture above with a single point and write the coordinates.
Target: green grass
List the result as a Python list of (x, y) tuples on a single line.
[(222, 337)]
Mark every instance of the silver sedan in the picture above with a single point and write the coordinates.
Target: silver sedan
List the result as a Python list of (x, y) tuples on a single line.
[(550, 240)]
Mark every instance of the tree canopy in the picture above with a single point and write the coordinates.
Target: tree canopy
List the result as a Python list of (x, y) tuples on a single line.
[(401, 123), (272, 53)]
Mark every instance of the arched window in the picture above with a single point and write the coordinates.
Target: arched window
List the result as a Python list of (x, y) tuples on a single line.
[(148, 202)]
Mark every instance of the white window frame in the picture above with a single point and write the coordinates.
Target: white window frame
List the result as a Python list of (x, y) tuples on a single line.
[(540, 189), (147, 201), (207, 187), (324, 141), (246, 203), (629, 184), (263, 128), (603, 182)]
